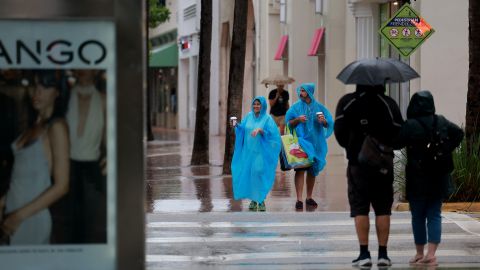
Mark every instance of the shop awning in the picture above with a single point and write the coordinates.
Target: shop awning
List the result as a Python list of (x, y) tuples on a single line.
[(316, 40), (281, 48), (164, 56)]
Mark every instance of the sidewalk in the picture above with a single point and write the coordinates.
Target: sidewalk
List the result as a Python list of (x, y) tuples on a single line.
[(181, 187)]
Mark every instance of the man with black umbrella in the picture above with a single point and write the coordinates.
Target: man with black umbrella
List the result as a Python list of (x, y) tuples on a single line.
[(368, 111)]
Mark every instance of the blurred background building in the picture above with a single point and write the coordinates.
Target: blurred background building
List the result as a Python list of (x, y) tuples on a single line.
[(311, 41)]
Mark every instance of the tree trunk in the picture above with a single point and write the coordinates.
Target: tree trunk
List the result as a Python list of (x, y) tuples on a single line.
[(148, 110), (472, 123), (235, 77), (148, 118), (200, 153)]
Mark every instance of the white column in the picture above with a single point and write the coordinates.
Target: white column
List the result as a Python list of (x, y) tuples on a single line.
[(192, 92), (366, 27), (183, 91), (215, 66)]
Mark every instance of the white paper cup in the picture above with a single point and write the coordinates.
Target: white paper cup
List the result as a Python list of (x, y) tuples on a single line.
[(233, 120)]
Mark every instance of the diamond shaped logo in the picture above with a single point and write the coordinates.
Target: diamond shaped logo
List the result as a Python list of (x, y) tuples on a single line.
[(406, 30)]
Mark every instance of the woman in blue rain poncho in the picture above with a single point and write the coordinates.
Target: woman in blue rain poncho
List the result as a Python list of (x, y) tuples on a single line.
[(255, 158), (312, 130)]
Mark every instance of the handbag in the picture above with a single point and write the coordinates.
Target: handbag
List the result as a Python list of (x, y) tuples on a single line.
[(376, 155), (294, 157)]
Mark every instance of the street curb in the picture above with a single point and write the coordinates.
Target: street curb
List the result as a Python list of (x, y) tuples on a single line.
[(447, 207)]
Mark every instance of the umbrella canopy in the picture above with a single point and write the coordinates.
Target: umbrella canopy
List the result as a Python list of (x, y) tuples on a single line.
[(377, 71), (277, 79)]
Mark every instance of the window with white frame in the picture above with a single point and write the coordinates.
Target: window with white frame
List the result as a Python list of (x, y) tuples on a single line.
[(283, 11), (319, 6)]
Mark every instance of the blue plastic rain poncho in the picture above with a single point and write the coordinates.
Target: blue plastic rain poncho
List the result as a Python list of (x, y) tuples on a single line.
[(312, 136), (255, 159)]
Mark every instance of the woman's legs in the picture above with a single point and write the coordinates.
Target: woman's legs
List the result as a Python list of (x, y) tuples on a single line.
[(299, 182), (417, 209), (434, 225), (310, 184)]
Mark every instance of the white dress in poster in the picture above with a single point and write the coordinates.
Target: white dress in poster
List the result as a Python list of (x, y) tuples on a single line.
[(57, 129)]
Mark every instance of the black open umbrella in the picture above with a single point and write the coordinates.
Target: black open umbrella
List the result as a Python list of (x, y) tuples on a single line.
[(376, 71)]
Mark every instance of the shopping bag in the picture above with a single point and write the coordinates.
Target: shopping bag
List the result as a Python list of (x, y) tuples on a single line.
[(284, 166), (293, 153)]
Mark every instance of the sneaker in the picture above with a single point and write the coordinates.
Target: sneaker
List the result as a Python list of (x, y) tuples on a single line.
[(299, 205), (311, 203), (364, 260), (261, 207), (253, 206), (384, 261)]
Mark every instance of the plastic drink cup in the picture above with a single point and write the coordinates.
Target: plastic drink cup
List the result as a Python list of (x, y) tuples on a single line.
[(233, 120)]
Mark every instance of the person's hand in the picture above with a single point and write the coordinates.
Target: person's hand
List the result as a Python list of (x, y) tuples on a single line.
[(11, 223), (257, 131), (322, 120), (302, 118)]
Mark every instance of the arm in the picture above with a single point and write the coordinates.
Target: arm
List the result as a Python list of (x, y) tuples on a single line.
[(103, 145), (257, 131), (59, 145), (456, 134), (329, 123), (403, 137), (401, 131), (294, 122), (341, 129), (273, 97)]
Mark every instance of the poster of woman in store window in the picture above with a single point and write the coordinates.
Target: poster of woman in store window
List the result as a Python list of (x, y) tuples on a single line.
[(53, 173), (54, 180)]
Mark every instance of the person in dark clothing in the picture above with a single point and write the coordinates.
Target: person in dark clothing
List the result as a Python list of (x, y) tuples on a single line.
[(368, 111), (278, 99), (426, 189)]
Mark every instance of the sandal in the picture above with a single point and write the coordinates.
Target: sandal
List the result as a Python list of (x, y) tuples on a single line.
[(253, 206), (428, 261), (299, 205), (415, 259), (261, 207), (311, 203)]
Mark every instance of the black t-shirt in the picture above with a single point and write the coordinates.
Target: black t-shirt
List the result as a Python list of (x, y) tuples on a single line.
[(280, 107)]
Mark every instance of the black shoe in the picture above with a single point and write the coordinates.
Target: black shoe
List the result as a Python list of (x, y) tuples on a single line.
[(384, 261), (299, 205), (364, 260), (311, 203)]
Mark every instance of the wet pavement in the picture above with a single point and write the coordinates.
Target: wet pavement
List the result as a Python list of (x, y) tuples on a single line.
[(174, 185), (193, 222)]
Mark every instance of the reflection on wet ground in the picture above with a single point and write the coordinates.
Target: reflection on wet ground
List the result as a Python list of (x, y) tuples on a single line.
[(173, 185)]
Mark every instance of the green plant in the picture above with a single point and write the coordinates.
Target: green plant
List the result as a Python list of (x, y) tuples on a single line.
[(157, 14), (399, 174), (466, 175)]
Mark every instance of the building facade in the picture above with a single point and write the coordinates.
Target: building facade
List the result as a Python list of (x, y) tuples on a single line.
[(311, 41), (162, 72)]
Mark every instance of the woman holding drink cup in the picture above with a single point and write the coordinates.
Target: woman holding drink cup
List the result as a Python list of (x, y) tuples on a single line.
[(313, 124), (255, 157)]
